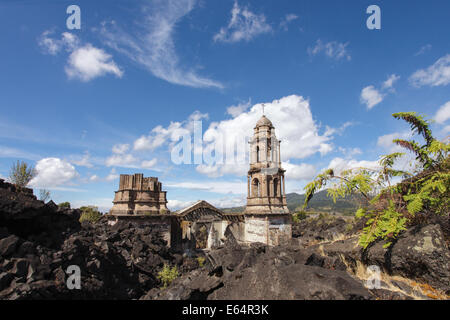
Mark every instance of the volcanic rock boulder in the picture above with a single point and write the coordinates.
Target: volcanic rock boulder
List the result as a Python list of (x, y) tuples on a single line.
[(420, 254), (260, 272)]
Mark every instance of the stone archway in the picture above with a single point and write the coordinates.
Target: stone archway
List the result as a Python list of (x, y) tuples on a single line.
[(256, 192)]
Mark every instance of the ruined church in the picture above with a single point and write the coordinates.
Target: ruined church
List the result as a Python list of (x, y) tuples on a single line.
[(266, 218)]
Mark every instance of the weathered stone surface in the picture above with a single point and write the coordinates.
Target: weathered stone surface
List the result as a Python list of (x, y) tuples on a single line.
[(419, 253), (8, 245)]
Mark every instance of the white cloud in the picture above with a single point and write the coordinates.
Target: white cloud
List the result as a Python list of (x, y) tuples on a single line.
[(334, 50), (302, 171), (121, 160), (244, 25), (83, 161), (294, 125), (94, 178), (236, 110), (53, 46), (437, 74), (148, 164), (112, 175), (443, 114), (340, 164), (153, 46), (386, 143), (120, 148), (287, 20), (88, 62), (350, 152), (371, 97), (160, 136), (174, 205), (390, 81), (85, 62), (53, 172)]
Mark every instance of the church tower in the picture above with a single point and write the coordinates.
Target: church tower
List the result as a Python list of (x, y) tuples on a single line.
[(265, 181), (267, 218)]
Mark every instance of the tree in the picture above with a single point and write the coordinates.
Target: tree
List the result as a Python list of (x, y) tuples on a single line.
[(65, 205), (387, 207), (90, 214), (44, 195), (21, 174)]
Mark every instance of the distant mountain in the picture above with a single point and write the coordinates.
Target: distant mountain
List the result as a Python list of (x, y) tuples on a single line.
[(320, 202)]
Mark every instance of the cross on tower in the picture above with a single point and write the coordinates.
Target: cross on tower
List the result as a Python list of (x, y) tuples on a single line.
[(263, 108)]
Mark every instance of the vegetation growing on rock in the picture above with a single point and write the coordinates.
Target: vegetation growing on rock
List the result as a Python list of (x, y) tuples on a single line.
[(90, 214), (388, 207)]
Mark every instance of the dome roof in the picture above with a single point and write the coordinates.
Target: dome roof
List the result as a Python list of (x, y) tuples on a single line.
[(264, 122)]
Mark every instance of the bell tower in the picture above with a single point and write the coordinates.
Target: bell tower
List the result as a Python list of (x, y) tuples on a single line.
[(265, 180), (267, 217)]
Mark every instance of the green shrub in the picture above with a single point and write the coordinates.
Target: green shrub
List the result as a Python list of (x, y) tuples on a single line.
[(65, 205), (167, 275), (298, 216), (21, 174), (90, 214), (201, 261)]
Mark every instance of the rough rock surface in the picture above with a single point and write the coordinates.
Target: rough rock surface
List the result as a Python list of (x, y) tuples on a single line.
[(39, 241), (420, 254)]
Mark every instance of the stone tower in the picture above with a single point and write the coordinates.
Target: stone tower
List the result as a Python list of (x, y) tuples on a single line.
[(267, 218), (265, 180), (139, 195)]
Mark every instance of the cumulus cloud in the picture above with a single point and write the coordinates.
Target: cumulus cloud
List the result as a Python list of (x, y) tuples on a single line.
[(443, 114), (385, 141), (340, 164), (334, 50), (371, 97), (88, 62), (236, 110), (152, 45), (53, 172), (244, 25), (178, 204), (302, 171), (294, 124), (435, 75), (85, 62)]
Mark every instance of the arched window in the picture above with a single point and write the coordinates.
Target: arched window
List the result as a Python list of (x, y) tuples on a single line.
[(275, 187), (257, 153), (255, 188)]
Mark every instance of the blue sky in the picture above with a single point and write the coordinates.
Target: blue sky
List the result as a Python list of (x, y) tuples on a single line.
[(113, 97)]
